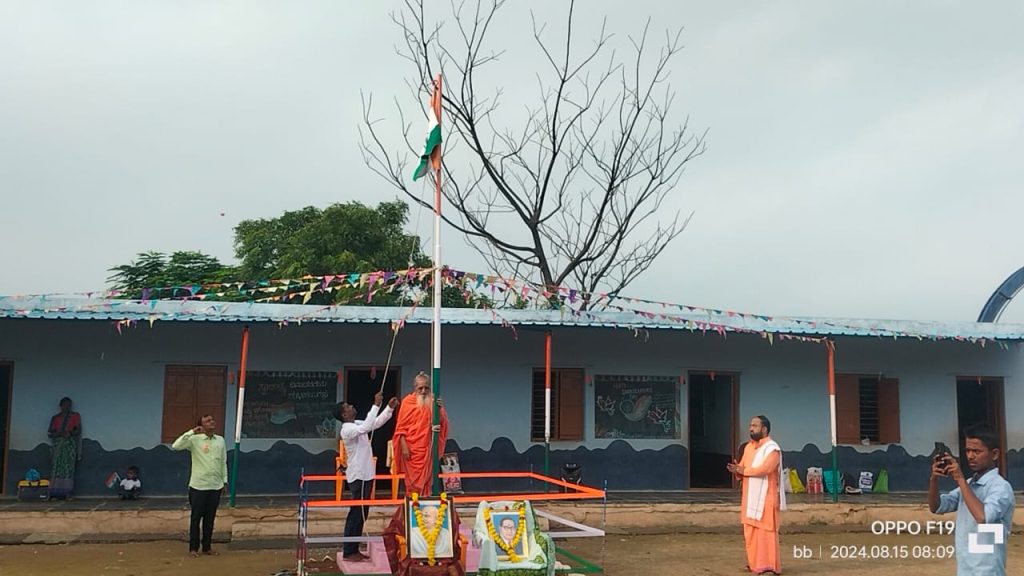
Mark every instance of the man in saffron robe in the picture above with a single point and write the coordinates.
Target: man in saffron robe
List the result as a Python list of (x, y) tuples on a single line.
[(760, 469), (413, 436)]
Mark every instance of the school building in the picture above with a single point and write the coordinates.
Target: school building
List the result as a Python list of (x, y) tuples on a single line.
[(640, 403)]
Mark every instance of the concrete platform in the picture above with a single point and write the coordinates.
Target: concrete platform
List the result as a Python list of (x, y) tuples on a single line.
[(377, 564), (281, 502)]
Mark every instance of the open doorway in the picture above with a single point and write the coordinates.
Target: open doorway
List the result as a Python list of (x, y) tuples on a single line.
[(6, 372), (980, 400), (361, 384), (713, 398)]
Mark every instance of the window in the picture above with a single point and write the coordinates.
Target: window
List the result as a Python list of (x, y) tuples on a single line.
[(868, 397), (867, 407), (190, 392), (566, 404)]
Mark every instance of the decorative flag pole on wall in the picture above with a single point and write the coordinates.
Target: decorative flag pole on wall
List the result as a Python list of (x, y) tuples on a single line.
[(547, 404), (238, 413), (431, 159), (831, 351)]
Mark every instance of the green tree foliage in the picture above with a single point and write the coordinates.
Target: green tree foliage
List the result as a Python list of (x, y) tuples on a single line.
[(340, 239), (152, 272)]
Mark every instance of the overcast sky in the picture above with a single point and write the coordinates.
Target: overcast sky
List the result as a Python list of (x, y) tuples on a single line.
[(864, 158)]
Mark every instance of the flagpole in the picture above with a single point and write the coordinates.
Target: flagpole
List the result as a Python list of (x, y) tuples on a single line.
[(831, 358), (435, 379), (547, 405), (242, 366)]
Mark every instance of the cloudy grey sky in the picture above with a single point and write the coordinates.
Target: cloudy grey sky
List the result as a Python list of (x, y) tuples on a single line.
[(863, 158)]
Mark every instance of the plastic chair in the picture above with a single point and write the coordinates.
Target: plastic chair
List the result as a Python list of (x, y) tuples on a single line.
[(341, 462), (391, 464)]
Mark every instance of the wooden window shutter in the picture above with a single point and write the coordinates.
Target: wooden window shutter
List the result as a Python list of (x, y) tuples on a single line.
[(570, 405), (847, 409), (179, 401), (537, 406), (190, 392), (889, 411), (211, 385)]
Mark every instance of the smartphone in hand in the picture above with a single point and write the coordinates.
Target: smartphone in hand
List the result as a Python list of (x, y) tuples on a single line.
[(941, 452)]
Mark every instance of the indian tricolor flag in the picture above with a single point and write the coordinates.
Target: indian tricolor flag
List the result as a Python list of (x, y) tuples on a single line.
[(431, 156)]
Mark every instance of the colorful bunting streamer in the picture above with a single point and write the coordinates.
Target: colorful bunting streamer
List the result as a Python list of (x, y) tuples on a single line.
[(415, 283)]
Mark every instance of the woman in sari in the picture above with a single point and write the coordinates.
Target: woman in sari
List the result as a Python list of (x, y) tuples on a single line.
[(66, 436)]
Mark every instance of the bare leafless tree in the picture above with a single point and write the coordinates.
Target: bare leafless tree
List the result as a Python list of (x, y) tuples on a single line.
[(574, 194)]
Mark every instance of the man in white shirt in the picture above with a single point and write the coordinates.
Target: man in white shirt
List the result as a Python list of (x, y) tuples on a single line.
[(360, 470)]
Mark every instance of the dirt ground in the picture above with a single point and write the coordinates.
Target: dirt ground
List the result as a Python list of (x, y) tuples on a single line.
[(700, 554)]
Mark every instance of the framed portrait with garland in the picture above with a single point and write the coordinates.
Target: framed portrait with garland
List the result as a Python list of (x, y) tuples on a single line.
[(509, 532), (507, 524), (428, 524)]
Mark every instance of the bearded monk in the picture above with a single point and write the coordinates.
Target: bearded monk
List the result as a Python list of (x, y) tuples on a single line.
[(413, 436), (760, 469)]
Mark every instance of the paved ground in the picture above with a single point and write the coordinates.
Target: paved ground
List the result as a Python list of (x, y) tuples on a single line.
[(836, 552)]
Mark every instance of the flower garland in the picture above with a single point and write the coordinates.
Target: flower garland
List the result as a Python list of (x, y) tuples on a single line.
[(430, 536), (509, 549)]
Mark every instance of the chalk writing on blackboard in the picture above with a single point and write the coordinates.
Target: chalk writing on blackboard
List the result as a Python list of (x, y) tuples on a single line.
[(289, 404), (636, 406)]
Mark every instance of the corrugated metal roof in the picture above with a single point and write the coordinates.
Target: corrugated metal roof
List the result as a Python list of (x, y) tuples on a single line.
[(201, 311)]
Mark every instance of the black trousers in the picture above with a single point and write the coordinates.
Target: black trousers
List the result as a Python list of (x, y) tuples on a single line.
[(204, 508), (359, 490)]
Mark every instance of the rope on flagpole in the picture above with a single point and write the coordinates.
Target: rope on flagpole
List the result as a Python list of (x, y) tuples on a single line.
[(414, 246)]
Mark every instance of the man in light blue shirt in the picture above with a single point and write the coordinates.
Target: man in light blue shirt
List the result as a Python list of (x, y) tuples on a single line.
[(986, 499)]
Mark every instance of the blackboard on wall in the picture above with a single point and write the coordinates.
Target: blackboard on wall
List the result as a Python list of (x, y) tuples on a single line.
[(636, 406), (289, 404)]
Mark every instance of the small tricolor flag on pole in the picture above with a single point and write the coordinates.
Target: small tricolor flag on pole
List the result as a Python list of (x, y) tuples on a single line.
[(431, 156), (113, 480)]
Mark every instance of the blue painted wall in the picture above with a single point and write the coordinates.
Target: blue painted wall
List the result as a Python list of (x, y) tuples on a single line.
[(116, 381)]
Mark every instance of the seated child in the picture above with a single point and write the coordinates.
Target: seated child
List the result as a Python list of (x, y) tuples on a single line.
[(131, 486)]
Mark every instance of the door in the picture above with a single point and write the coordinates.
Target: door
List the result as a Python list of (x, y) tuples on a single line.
[(189, 393), (980, 400), (712, 408), (360, 386), (6, 373)]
